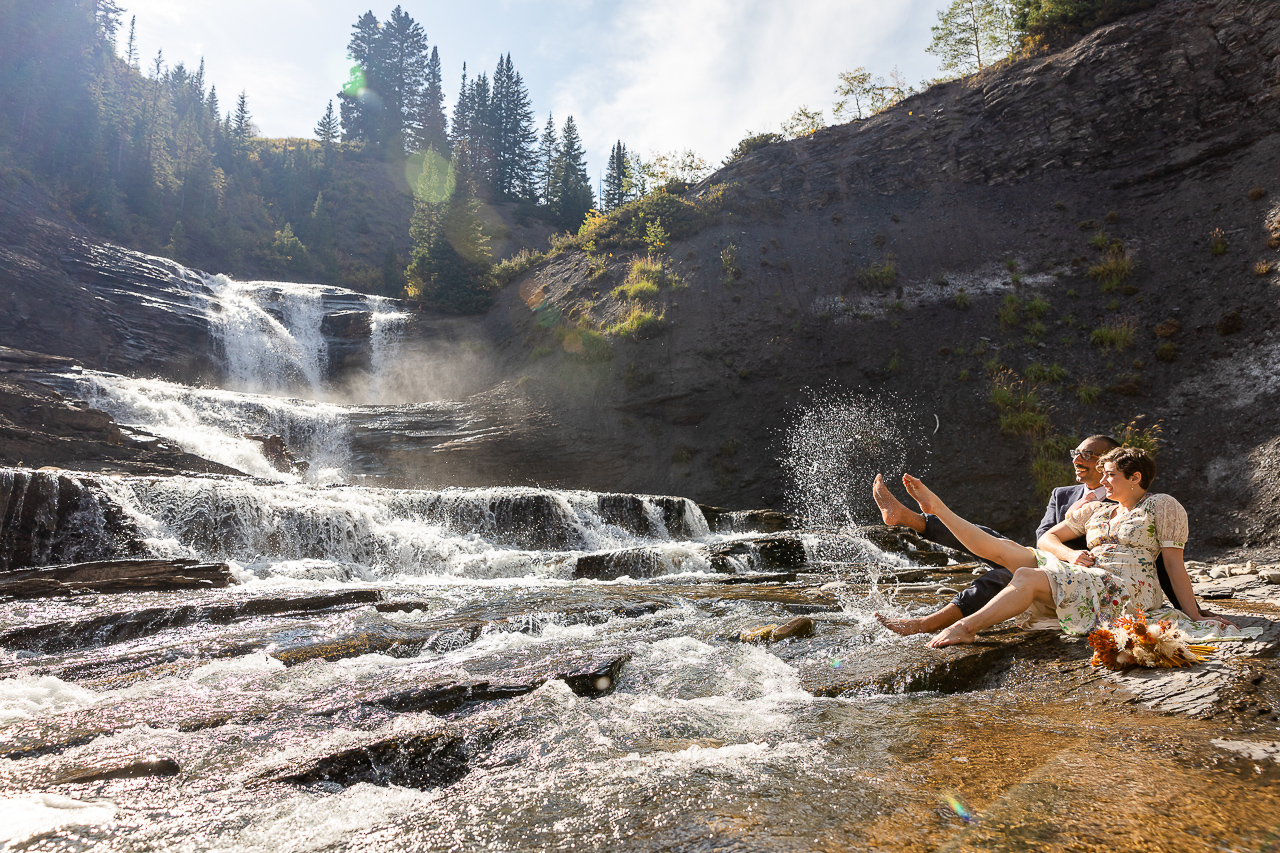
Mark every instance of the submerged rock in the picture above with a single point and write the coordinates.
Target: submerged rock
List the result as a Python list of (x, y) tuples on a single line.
[(416, 761), (150, 766)]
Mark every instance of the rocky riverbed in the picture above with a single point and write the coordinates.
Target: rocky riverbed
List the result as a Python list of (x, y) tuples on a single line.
[(313, 703)]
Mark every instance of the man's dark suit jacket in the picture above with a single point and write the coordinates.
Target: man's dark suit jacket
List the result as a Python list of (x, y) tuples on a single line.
[(986, 586)]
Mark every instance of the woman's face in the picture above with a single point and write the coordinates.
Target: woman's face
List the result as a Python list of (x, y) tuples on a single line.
[(1117, 484)]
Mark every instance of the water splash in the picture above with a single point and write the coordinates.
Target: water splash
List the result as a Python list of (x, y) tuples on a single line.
[(835, 446)]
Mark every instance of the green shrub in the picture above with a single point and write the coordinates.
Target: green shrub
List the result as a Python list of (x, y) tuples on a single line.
[(655, 237), (1115, 334), (1050, 465), (1112, 270), (961, 299), (520, 262), (1010, 312), (1050, 24), (1037, 372), (1037, 307), (1009, 393), (964, 376), (638, 322), (636, 290), (879, 275), (1088, 393), (752, 143), (1167, 351), (1100, 241), (1134, 434), (1023, 423), (1217, 242)]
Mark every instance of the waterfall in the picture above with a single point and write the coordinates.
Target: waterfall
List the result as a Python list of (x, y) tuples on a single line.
[(385, 326), (266, 351), (373, 533), (213, 423)]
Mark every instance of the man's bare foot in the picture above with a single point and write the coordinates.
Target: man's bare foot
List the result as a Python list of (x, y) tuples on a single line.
[(892, 510), (917, 489), (956, 635), (905, 627)]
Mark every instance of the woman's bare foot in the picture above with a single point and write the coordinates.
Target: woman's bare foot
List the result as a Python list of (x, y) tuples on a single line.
[(956, 635), (903, 626), (892, 510), (917, 489)]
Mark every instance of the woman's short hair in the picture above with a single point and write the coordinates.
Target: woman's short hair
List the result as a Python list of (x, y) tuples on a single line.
[(1130, 461)]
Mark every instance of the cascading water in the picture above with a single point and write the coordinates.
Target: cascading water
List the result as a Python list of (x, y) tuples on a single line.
[(266, 351), (401, 669)]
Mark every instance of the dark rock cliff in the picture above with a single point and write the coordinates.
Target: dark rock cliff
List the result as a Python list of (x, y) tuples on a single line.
[(1153, 132)]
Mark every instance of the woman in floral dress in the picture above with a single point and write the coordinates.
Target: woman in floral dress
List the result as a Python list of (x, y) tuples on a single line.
[(1078, 589)]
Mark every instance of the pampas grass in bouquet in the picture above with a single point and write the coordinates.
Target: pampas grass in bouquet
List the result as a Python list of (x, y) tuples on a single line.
[(1130, 641)]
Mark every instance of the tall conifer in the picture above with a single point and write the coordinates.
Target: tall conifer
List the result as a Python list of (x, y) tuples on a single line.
[(431, 126), (615, 178), (571, 195), (545, 162)]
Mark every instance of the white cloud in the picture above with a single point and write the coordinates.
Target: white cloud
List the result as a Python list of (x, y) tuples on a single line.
[(658, 74), (703, 74)]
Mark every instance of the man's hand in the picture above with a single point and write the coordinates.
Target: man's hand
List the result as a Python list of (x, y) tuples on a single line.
[(1082, 558)]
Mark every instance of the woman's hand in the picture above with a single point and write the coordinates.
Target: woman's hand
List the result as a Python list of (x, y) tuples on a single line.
[(1220, 621), (1082, 558)]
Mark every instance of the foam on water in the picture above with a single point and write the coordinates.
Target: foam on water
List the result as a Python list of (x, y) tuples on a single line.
[(24, 816), (29, 696)]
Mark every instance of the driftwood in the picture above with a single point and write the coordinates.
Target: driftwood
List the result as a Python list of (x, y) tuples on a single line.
[(114, 576)]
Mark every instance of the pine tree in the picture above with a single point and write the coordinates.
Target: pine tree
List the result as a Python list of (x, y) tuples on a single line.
[(431, 126), (615, 179), (461, 129), (451, 269), (403, 76), (545, 160), (242, 126), (513, 134), (359, 102), (131, 53), (327, 129), (571, 195)]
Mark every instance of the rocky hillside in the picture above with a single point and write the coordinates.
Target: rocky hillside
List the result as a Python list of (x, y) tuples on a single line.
[(1093, 231), (925, 251)]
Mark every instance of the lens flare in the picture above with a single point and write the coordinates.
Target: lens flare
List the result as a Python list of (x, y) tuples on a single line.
[(953, 801)]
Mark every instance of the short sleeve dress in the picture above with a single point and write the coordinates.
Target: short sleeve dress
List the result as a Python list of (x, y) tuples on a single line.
[(1122, 580)]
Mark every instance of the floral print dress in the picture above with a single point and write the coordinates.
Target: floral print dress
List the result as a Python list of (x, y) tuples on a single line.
[(1122, 580)]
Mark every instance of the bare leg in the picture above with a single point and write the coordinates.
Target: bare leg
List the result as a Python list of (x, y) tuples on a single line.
[(1003, 552), (892, 510), (935, 621), (1028, 585)]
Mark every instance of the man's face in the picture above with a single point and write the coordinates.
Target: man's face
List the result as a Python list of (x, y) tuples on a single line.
[(1085, 459)]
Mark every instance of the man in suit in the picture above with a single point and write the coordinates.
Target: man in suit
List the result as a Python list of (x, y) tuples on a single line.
[(984, 588)]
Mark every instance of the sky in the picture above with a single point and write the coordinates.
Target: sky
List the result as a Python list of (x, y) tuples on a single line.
[(659, 75)]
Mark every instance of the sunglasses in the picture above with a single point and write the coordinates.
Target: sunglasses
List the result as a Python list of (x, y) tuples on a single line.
[(1086, 455)]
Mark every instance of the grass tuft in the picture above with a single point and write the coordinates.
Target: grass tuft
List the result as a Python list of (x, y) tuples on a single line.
[(1116, 334)]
